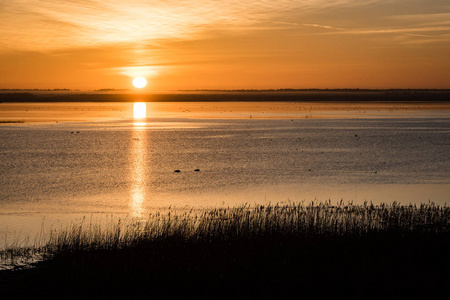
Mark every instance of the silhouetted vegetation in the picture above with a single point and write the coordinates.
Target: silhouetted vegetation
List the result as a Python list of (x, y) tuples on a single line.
[(321, 250)]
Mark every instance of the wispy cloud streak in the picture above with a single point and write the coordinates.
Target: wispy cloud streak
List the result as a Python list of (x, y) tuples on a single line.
[(393, 30), (421, 28), (310, 25)]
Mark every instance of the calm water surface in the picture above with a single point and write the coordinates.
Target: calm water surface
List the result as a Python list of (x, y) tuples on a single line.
[(60, 171)]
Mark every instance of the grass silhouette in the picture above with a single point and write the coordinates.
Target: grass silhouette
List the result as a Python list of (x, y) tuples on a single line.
[(314, 250)]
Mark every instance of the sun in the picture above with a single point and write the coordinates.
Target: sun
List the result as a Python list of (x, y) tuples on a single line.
[(139, 82)]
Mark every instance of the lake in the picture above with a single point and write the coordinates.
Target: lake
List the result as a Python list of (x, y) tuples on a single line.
[(62, 161)]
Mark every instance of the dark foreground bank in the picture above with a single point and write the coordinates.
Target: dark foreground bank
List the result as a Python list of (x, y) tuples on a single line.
[(295, 251)]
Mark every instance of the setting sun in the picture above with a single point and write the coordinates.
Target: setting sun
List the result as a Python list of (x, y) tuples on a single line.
[(139, 82)]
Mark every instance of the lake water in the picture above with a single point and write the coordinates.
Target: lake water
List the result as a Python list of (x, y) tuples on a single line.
[(66, 161)]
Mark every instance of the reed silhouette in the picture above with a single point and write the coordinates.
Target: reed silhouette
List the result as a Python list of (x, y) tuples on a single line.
[(314, 250)]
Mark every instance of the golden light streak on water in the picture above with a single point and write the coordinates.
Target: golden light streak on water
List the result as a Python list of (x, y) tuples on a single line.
[(138, 169)]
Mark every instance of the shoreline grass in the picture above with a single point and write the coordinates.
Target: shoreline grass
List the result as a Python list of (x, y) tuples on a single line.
[(247, 250)]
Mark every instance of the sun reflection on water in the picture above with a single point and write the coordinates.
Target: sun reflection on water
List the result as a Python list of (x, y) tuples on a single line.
[(139, 110), (138, 162)]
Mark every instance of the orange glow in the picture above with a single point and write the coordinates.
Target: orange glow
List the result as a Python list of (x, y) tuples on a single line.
[(229, 44)]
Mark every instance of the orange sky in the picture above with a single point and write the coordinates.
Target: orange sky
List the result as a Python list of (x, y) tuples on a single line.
[(228, 44)]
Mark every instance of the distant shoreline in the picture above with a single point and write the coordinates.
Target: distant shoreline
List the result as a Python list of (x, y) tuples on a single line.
[(282, 95), (232, 90)]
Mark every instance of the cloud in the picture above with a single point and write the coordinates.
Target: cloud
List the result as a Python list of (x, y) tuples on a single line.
[(406, 28), (420, 39), (54, 24), (310, 25), (430, 19), (323, 26), (394, 30), (144, 71)]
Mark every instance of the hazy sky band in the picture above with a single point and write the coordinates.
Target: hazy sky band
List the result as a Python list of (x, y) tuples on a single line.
[(177, 39)]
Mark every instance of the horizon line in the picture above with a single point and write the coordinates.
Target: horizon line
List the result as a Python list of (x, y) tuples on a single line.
[(221, 90)]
